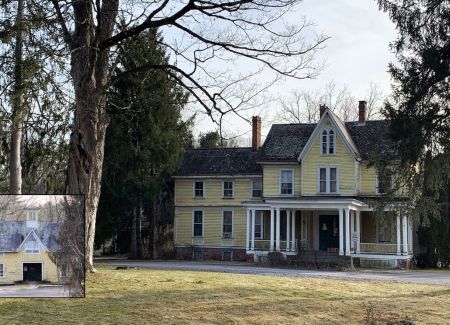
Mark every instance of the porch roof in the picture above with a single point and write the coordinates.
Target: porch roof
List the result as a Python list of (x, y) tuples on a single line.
[(361, 203)]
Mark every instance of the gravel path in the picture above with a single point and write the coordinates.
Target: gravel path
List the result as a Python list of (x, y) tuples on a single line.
[(418, 277), (32, 291)]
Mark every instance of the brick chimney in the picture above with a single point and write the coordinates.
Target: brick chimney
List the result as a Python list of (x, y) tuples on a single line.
[(322, 109), (362, 111), (256, 132)]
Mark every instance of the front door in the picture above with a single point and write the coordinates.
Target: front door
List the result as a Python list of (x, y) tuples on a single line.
[(329, 233), (32, 272)]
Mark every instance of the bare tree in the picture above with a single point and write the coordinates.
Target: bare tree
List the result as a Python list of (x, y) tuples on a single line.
[(302, 106), (69, 257), (207, 37)]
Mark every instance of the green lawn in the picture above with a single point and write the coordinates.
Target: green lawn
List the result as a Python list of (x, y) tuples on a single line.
[(148, 296)]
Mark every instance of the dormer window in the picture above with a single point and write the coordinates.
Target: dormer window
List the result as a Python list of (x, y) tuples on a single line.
[(32, 216), (328, 142), (32, 219)]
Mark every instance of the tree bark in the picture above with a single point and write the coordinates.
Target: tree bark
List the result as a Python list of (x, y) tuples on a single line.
[(15, 165), (90, 74)]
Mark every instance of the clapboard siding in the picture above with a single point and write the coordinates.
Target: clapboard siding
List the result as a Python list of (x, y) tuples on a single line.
[(343, 159), (212, 235), (271, 179), (213, 192), (12, 266), (368, 181)]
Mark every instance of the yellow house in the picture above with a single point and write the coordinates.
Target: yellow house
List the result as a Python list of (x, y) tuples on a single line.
[(305, 193), (25, 244)]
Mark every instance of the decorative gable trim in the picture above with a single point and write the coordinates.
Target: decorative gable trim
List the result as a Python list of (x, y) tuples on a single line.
[(340, 129), (36, 237)]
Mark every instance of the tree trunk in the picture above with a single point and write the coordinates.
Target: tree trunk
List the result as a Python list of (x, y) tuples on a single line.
[(15, 166), (133, 242), (90, 73), (87, 142)]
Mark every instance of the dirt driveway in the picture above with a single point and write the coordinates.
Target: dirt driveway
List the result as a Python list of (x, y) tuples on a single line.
[(413, 276), (33, 291)]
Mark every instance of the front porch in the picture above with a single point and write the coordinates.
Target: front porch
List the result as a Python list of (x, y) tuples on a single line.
[(348, 229)]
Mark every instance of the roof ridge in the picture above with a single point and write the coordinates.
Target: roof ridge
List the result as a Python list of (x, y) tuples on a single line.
[(226, 148)]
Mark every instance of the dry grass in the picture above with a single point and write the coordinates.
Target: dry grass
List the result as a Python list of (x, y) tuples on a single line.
[(149, 296)]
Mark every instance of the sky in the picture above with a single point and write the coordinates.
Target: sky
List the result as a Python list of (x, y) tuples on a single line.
[(356, 54)]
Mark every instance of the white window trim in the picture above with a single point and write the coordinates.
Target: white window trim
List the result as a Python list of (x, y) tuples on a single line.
[(328, 179), (203, 223), (2, 275), (193, 189), (232, 223), (32, 251), (223, 189), (328, 144), (293, 181), (251, 189)]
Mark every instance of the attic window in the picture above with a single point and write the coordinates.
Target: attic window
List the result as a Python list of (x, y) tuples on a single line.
[(328, 142), (31, 247), (32, 216)]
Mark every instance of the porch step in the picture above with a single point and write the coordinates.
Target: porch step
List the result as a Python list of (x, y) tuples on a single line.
[(320, 258)]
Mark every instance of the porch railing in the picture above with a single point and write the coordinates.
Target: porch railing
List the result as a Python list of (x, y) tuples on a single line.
[(382, 248), (379, 248), (264, 244)]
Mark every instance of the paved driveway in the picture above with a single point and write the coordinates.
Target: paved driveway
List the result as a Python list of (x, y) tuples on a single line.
[(33, 291), (419, 277)]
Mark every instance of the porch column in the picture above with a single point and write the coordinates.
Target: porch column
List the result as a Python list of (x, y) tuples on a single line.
[(272, 228), (288, 230), (293, 246), (405, 235), (341, 232), (277, 237), (410, 234), (358, 230), (347, 231), (253, 229), (398, 235), (247, 241)]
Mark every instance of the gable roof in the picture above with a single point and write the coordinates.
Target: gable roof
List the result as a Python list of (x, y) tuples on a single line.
[(223, 161), (285, 142), (33, 234), (340, 129), (14, 233)]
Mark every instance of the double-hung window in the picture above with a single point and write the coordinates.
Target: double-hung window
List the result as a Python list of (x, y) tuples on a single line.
[(384, 181), (286, 182), (199, 189), (2, 270), (227, 224), (198, 223), (328, 180), (256, 188), (328, 142), (227, 189)]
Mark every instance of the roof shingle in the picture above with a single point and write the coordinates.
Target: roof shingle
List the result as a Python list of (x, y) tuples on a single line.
[(223, 161)]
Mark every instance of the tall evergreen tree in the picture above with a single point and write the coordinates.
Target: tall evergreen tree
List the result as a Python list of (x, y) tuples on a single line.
[(143, 145), (420, 110)]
